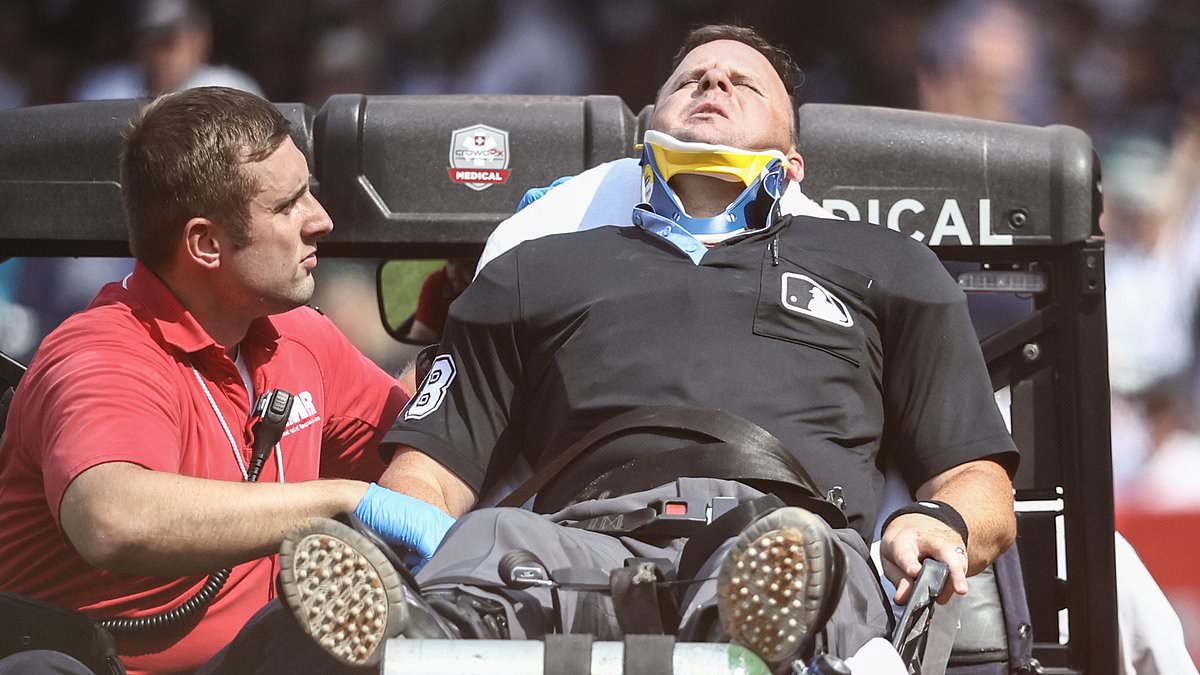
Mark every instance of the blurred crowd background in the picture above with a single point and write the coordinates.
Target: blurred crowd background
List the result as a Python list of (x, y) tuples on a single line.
[(1125, 71)]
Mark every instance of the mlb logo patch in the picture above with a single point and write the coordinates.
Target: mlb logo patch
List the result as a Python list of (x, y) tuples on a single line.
[(804, 295)]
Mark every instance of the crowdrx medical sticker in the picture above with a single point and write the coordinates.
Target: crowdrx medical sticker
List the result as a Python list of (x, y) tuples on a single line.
[(479, 156)]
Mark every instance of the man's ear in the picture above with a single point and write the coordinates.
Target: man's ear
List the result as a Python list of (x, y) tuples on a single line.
[(201, 242), (795, 166)]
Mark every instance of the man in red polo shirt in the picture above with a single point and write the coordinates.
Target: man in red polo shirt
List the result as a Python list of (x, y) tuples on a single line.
[(439, 290), (123, 474)]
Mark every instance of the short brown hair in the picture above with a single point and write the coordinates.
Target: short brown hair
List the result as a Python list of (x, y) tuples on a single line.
[(183, 158), (785, 66)]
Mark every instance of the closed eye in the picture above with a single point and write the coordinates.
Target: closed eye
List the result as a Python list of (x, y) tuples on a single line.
[(285, 207)]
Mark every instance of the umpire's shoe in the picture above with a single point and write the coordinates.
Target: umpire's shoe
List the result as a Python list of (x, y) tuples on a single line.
[(350, 592), (780, 583)]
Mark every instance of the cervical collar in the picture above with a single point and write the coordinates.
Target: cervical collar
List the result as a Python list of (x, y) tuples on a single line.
[(664, 157)]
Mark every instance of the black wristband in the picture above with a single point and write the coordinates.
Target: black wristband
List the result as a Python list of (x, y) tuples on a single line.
[(934, 509)]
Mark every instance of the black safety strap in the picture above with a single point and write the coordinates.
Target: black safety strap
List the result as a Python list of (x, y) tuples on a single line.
[(719, 425), (761, 466), (569, 654), (649, 654), (642, 605)]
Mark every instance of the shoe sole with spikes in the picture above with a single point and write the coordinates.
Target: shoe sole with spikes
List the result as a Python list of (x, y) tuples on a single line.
[(342, 589), (779, 584)]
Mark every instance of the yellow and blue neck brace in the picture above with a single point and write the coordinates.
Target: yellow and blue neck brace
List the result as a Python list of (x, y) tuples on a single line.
[(763, 174)]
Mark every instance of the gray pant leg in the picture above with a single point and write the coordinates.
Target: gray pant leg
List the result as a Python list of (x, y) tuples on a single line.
[(863, 611), (470, 555)]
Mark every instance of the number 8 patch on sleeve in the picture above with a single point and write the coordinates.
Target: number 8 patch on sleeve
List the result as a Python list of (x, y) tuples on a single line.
[(433, 389)]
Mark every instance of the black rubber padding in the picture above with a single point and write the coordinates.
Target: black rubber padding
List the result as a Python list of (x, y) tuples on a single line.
[(649, 654), (569, 654)]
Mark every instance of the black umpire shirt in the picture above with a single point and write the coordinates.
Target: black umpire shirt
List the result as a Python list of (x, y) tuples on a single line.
[(840, 338)]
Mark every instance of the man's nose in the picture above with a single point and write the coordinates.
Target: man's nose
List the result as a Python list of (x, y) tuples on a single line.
[(318, 223), (715, 78)]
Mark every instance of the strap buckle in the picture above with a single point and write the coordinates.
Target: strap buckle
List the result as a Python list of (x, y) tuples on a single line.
[(699, 511), (672, 517), (685, 517), (675, 518)]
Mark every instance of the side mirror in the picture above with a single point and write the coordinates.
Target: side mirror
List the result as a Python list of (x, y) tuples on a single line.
[(415, 295), (397, 289)]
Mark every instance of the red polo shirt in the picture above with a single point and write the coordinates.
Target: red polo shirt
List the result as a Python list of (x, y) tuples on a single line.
[(434, 303), (118, 382)]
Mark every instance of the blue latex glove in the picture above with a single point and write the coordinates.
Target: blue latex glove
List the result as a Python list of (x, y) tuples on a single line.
[(403, 520), (534, 194)]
